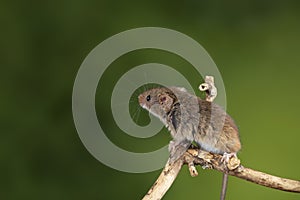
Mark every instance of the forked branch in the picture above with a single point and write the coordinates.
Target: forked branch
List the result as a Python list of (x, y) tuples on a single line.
[(213, 161)]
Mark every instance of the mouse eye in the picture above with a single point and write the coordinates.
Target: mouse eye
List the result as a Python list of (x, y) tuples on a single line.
[(148, 98)]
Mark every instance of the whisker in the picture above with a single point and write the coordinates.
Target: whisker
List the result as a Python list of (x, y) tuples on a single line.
[(120, 104), (131, 82), (138, 114), (135, 114)]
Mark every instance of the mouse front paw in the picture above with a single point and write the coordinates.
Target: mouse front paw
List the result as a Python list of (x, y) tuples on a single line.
[(177, 149)]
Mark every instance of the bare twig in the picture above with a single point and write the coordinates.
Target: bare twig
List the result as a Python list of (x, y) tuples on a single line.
[(213, 161), (164, 181), (209, 88)]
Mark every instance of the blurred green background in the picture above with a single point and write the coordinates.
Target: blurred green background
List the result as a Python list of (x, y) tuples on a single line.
[(255, 45)]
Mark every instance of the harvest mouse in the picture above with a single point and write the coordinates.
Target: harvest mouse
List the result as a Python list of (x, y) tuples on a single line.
[(189, 118)]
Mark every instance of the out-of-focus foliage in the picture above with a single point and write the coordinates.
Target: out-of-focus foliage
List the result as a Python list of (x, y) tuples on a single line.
[(254, 43)]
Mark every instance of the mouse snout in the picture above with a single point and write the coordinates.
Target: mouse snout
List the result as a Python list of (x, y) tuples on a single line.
[(140, 99)]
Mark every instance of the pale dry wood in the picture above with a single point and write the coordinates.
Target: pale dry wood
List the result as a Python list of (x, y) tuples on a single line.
[(164, 181), (268, 180), (214, 161), (209, 88)]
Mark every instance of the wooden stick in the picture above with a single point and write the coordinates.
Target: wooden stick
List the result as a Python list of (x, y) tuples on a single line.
[(209, 88), (164, 181), (214, 161)]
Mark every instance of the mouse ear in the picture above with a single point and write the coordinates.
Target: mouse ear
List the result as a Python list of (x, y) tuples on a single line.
[(166, 101)]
